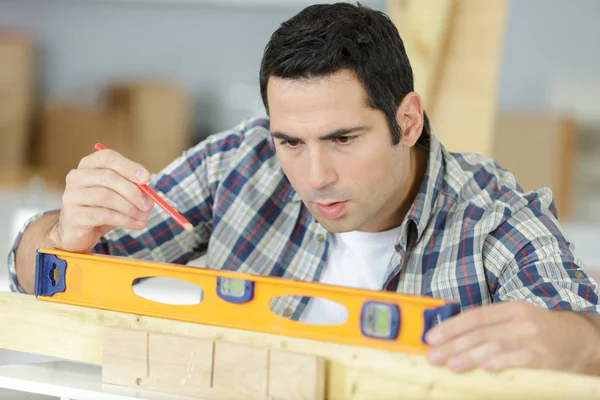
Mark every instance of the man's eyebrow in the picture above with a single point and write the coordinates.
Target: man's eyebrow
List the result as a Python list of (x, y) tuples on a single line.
[(344, 132), (283, 136), (331, 135)]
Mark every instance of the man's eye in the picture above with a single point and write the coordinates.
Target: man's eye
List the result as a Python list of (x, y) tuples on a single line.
[(344, 139), (290, 143)]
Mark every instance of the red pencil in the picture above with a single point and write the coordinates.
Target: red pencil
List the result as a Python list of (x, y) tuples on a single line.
[(180, 219)]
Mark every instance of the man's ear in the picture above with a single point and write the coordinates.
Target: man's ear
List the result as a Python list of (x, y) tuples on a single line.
[(410, 119)]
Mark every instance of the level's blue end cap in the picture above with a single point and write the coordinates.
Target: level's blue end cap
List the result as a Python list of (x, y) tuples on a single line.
[(444, 312), (380, 320), (235, 290), (50, 274)]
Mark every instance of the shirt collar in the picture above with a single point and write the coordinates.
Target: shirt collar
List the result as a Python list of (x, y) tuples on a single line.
[(291, 196), (423, 206)]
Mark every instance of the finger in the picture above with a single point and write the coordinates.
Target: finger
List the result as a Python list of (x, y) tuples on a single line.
[(440, 354), (467, 321), (102, 197), (113, 160), (86, 178), (478, 355), (101, 217), (523, 358), (105, 229)]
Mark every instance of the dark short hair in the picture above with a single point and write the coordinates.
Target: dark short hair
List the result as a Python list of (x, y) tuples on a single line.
[(325, 38)]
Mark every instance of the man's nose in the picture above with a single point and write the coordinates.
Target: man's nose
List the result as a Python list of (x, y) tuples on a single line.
[(320, 171)]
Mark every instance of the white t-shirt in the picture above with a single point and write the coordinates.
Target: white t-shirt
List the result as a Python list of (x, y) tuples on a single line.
[(355, 259)]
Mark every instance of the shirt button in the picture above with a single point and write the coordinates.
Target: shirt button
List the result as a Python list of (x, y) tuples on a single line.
[(321, 238), (579, 275), (287, 312)]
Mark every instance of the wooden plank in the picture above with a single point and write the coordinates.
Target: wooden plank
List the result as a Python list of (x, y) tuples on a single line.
[(425, 28), (125, 356), (17, 83), (241, 369), (464, 113), (76, 333), (158, 117), (154, 361), (204, 368), (455, 49), (179, 365), (296, 376)]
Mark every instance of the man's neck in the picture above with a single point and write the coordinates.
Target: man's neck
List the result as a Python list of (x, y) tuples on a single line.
[(418, 166)]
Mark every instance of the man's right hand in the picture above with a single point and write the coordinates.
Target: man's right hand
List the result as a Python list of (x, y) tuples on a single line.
[(101, 194)]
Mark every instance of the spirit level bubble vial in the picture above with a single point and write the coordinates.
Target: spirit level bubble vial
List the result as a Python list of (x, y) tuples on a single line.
[(380, 320), (235, 290)]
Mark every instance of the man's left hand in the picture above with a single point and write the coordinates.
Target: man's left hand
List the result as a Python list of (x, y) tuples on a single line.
[(516, 334)]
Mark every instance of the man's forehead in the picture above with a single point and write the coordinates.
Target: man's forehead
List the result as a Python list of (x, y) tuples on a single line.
[(322, 89), (344, 76)]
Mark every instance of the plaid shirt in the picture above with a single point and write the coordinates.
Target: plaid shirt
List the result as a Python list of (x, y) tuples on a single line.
[(472, 235)]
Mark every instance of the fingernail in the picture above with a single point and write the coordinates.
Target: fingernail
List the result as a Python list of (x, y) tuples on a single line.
[(455, 364), (140, 224), (146, 203), (488, 366), (433, 337), (142, 215), (435, 357), (140, 176)]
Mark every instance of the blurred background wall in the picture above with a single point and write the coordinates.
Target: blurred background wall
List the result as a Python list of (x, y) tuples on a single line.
[(211, 48), (126, 71)]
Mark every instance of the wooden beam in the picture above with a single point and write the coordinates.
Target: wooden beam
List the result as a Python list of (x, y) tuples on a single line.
[(460, 61), (466, 103), (425, 28), (77, 333), (296, 376), (242, 369), (208, 369)]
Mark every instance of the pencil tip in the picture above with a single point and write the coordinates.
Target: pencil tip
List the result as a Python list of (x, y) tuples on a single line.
[(188, 227)]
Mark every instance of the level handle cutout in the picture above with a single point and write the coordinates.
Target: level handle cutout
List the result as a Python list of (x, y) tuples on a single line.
[(171, 291), (54, 275), (50, 276)]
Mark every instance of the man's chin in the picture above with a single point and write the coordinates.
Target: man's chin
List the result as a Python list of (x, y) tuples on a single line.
[(337, 225)]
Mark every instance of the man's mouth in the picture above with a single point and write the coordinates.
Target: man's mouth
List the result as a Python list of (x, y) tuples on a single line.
[(332, 210)]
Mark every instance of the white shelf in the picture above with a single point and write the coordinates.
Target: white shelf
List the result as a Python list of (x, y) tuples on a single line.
[(71, 380)]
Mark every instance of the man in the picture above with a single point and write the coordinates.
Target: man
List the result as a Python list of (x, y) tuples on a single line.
[(347, 184)]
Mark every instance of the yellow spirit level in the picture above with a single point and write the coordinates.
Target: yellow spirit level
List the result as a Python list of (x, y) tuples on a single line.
[(376, 319)]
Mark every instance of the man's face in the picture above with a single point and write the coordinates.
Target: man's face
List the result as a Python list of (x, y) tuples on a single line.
[(337, 152)]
